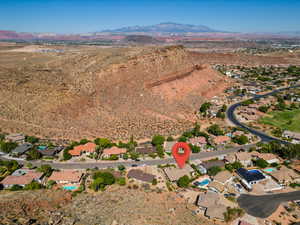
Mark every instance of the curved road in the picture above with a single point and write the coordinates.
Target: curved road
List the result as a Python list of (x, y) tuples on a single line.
[(263, 136)]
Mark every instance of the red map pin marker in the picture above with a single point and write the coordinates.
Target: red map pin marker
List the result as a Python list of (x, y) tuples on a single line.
[(181, 158)]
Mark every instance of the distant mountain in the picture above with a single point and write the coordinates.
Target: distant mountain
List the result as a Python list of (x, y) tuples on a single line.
[(165, 28)]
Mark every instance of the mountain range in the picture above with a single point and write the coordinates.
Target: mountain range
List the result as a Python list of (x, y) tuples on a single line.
[(161, 31)]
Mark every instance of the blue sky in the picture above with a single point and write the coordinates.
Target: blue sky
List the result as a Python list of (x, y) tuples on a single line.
[(77, 16)]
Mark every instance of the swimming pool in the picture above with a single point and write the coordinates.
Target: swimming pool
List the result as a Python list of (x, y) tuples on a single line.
[(270, 170), (70, 188), (42, 147), (202, 183)]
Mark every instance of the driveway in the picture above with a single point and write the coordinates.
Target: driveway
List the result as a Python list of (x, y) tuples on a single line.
[(264, 205)]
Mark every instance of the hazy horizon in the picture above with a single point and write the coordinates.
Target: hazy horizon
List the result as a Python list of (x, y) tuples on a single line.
[(77, 16)]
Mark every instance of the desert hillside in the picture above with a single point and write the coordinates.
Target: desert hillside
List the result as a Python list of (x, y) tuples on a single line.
[(108, 92)]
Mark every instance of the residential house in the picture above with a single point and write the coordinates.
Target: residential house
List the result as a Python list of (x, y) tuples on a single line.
[(21, 149), (87, 148), (292, 135), (198, 141), (250, 177), (173, 174), (245, 158), (223, 177), (221, 140), (211, 163), (145, 149), (269, 157), (140, 175), (216, 187), (168, 145), (211, 204), (23, 178), (113, 151), (66, 177), (51, 151), (18, 138), (285, 176)]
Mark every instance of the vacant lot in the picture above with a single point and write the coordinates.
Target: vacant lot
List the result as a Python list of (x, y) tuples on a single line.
[(287, 120)]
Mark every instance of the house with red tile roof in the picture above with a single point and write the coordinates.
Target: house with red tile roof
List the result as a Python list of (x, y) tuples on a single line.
[(66, 177), (87, 148), (22, 180), (198, 141), (113, 151), (220, 140)]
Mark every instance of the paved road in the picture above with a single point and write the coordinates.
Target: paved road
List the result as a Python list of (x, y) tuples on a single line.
[(263, 136), (128, 163), (264, 205)]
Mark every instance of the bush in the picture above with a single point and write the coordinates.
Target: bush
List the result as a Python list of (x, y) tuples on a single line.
[(121, 167), (233, 213), (121, 181), (233, 166), (213, 171), (16, 187), (263, 108), (154, 182), (182, 139), (261, 163), (204, 107), (50, 184), (160, 151), (183, 181), (170, 138), (158, 140), (103, 143)]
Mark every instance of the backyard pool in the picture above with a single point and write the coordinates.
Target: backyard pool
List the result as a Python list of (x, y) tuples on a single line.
[(270, 170), (70, 188), (42, 147), (203, 182)]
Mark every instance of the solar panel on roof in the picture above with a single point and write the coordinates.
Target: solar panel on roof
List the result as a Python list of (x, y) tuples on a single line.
[(250, 175)]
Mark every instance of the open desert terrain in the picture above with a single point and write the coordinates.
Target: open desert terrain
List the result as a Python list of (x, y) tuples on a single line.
[(74, 92)]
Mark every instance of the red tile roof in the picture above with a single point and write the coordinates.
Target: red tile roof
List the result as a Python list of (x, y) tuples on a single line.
[(66, 175), (78, 150), (114, 151)]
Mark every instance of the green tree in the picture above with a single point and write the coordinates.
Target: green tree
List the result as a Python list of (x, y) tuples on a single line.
[(170, 138), (66, 154), (33, 154), (33, 186), (183, 181), (213, 171), (158, 140), (263, 108), (134, 155), (109, 179), (233, 166), (50, 184), (261, 163), (7, 147), (220, 114), (196, 130), (46, 169), (154, 181), (121, 167), (160, 151), (32, 139), (195, 148), (241, 140), (215, 130), (182, 139), (84, 141), (103, 143), (98, 183), (204, 107)]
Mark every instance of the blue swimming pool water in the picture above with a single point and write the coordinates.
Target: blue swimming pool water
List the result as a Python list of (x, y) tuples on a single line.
[(70, 188), (270, 170), (41, 147), (203, 182)]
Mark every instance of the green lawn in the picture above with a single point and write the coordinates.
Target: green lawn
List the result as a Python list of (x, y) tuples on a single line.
[(288, 119)]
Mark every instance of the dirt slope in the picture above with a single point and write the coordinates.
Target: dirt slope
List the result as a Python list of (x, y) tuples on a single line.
[(115, 93)]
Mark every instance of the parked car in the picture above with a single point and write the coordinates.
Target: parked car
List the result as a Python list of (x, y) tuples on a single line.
[(134, 165)]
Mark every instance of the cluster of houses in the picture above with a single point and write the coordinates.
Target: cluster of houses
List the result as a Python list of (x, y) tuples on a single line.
[(66, 179)]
